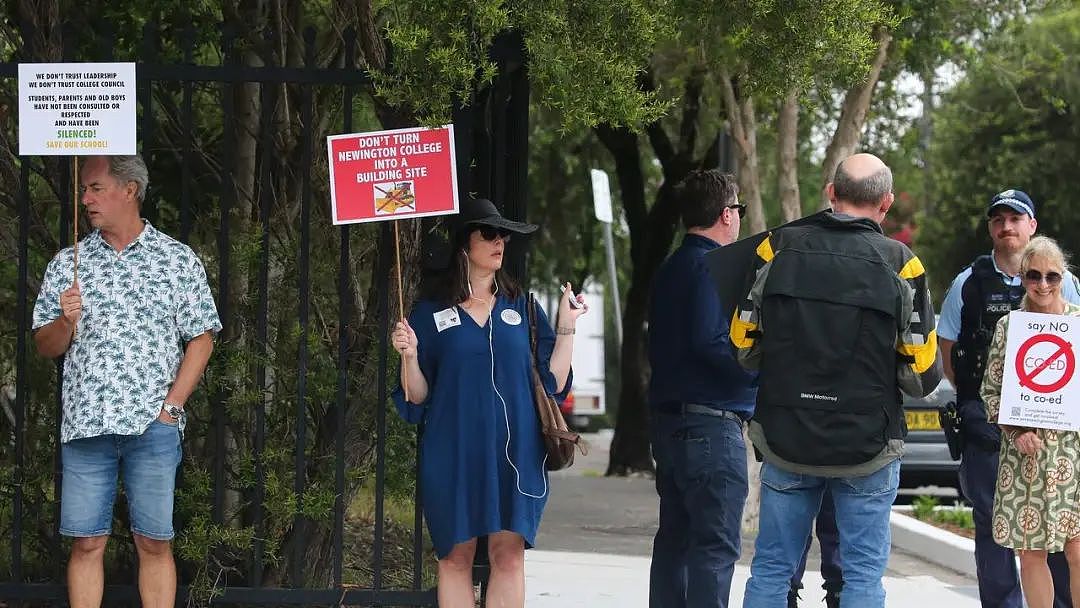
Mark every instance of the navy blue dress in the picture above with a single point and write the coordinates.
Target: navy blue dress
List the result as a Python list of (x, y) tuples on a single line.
[(474, 482)]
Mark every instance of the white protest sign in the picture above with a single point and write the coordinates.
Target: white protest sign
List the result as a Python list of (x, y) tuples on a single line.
[(601, 192), (1039, 384), (76, 109)]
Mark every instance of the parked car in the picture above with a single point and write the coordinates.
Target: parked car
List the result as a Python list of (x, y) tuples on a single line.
[(926, 459)]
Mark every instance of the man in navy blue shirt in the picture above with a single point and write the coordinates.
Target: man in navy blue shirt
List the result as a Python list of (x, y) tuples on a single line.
[(700, 398)]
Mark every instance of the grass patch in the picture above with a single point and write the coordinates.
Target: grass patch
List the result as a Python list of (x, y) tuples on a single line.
[(398, 553), (957, 518)]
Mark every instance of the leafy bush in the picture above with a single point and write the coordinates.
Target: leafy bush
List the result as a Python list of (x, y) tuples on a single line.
[(929, 509)]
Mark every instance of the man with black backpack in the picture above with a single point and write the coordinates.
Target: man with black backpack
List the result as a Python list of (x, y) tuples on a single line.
[(986, 290), (838, 321)]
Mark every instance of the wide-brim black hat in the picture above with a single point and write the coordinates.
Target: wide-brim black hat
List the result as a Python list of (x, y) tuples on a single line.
[(482, 212)]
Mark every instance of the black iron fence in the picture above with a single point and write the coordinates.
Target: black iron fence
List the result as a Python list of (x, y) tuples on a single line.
[(241, 184)]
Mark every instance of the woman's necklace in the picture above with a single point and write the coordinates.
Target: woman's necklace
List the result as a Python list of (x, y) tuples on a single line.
[(473, 296), (479, 299)]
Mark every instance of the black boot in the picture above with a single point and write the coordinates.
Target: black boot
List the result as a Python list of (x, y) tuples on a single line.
[(793, 598)]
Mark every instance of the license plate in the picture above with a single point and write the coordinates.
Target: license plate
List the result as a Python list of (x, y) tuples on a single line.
[(922, 421)]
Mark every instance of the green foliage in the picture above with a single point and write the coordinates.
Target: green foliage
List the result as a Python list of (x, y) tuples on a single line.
[(584, 57), (441, 55), (569, 245), (929, 509), (211, 554), (933, 32), (1012, 123), (923, 506), (775, 46), (958, 515)]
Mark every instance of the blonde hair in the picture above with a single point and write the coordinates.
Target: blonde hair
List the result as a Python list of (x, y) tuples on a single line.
[(1046, 248)]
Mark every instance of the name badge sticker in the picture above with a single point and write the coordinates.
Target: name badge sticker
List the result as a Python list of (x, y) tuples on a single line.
[(445, 319), (511, 317)]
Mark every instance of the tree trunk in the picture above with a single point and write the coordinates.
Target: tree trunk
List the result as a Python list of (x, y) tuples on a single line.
[(652, 231), (743, 122), (752, 509), (630, 445), (787, 127), (926, 136), (849, 127)]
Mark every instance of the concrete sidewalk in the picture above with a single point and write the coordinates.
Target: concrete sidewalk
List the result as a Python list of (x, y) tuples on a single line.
[(557, 579), (596, 538)]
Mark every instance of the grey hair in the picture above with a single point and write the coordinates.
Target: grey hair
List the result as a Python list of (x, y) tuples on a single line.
[(1046, 248), (130, 169), (868, 190)]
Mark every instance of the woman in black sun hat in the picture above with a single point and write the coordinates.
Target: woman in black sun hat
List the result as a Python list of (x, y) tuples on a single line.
[(466, 365)]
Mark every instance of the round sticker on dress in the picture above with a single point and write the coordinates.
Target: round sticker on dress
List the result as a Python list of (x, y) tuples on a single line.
[(511, 317)]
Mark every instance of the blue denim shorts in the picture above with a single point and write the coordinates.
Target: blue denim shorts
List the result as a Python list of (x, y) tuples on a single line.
[(147, 464)]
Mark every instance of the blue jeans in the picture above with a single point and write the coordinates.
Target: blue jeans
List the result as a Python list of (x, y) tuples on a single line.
[(147, 464), (829, 541), (999, 583), (701, 480), (789, 502)]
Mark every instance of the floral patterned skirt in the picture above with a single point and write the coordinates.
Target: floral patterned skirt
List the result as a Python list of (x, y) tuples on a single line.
[(1037, 499)]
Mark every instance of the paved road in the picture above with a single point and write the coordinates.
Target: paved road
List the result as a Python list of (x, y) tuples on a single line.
[(596, 538)]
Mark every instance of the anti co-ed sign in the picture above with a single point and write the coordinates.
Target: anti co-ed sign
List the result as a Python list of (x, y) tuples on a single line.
[(1039, 384), (76, 109)]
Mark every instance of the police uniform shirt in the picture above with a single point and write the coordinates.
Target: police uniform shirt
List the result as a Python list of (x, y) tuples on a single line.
[(949, 324)]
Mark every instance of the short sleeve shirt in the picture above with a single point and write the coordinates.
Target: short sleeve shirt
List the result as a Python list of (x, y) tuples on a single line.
[(949, 324), (140, 306)]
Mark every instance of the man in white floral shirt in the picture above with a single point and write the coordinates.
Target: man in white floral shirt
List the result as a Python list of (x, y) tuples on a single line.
[(137, 331)]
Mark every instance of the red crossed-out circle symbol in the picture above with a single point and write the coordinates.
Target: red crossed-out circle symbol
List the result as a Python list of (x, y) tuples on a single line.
[(1027, 378)]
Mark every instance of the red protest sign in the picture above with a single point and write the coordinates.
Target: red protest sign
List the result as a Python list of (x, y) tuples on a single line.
[(385, 175)]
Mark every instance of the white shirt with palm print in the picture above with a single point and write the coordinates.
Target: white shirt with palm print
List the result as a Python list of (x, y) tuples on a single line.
[(140, 306)]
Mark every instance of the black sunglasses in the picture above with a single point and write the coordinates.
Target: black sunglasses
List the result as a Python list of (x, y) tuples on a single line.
[(1034, 276), (490, 233), (741, 207)]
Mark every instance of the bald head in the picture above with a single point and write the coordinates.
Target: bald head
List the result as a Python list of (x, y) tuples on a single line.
[(861, 180)]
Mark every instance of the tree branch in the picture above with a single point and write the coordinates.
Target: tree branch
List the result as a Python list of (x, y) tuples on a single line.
[(688, 130), (731, 107), (849, 127)]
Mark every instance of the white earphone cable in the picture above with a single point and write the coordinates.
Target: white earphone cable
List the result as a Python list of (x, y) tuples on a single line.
[(506, 413)]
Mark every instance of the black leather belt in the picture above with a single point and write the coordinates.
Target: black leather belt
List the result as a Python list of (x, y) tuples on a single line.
[(697, 408)]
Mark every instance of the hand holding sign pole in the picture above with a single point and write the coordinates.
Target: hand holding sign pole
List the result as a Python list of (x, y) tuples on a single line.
[(400, 294), (392, 175)]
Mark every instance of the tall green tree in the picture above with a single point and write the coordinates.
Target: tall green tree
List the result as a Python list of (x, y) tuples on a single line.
[(1012, 122), (425, 59), (727, 60)]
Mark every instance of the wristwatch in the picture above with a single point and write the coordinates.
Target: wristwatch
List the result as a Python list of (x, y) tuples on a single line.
[(174, 411)]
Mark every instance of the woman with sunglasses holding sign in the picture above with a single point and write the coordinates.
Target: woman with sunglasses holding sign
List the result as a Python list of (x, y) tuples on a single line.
[(983, 292), (466, 365), (1037, 503)]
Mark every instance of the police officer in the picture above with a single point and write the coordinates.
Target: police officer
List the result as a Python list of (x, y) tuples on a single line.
[(980, 295)]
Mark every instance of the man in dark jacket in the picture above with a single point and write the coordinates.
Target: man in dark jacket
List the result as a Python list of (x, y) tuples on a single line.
[(838, 321), (700, 399)]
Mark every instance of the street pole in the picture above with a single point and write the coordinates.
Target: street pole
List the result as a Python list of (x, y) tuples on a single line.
[(610, 246), (602, 208)]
